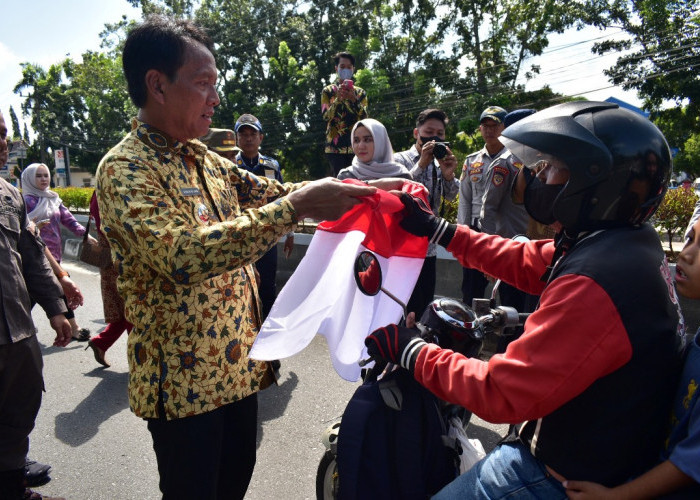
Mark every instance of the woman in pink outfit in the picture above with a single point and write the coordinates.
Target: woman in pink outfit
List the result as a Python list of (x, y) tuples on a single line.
[(112, 303), (46, 209)]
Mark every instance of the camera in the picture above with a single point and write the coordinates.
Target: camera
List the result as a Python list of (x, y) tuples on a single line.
[(440, 150), (348, 84)]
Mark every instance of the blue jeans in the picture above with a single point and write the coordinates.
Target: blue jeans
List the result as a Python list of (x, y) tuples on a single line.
[(509, 471)]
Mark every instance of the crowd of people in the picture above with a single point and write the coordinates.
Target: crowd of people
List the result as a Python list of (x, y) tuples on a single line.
[(193, 215)]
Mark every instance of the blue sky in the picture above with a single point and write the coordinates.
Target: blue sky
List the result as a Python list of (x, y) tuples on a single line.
[(44, 31)]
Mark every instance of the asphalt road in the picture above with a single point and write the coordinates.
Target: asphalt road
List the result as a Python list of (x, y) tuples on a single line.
[(99, 450)]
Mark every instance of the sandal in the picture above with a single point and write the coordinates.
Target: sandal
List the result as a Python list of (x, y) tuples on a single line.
[(82, 335)]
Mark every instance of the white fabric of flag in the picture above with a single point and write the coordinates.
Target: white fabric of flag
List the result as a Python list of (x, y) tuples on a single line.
[(322, 295)]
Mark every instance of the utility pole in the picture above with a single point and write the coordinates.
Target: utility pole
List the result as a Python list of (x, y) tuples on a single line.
[(67, 160)]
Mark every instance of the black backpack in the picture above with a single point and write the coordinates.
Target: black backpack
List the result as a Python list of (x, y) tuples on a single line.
[(392, 442)]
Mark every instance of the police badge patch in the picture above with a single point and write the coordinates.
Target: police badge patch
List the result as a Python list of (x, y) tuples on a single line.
[(499, 175)]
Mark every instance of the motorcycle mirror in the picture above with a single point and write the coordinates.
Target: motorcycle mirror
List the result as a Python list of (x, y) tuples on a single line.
[(520, 238), (368, 276), (368, 273)]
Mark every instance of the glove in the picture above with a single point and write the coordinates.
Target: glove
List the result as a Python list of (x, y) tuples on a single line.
[(396, 344), (419, 220)]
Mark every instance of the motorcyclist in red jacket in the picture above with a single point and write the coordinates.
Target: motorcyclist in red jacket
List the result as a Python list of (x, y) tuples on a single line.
[(589, 382)]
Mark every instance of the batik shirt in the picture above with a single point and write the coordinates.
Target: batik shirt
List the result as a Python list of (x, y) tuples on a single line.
[(185, 225), (340, 117)]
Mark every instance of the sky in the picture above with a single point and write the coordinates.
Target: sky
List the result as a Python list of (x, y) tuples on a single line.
[(45, 31)]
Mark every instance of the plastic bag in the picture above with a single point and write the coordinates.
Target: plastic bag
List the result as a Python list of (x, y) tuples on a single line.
[(472, 449)]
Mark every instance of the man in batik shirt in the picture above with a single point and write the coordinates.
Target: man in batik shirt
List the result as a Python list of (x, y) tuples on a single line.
[(185, 226), (343, 104)]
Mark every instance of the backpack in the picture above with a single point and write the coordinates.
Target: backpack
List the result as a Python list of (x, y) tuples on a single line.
[(392, 442)]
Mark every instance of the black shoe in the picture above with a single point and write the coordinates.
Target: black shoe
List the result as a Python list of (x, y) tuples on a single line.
[(81, 335), (276, 365), (36, 474)]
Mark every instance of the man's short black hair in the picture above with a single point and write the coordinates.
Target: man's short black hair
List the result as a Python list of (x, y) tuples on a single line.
[(430, 114), (158, 43), (346, 55)]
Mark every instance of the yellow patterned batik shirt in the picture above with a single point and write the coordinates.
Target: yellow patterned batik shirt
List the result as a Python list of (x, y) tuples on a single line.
[(340, 117), (185, 226)]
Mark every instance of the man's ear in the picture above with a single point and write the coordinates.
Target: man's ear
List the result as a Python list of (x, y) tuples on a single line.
[(415, 134), (262, 136), (154, 85)]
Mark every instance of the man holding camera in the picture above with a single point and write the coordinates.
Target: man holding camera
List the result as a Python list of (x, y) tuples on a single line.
[(342, 104), (473, 186), (431, 163)]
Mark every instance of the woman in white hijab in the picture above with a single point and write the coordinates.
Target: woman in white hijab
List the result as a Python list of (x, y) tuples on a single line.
[(374, 156), (47, 211)]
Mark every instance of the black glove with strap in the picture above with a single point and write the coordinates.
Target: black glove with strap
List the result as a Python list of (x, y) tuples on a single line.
[(396, 344), (419, 220)]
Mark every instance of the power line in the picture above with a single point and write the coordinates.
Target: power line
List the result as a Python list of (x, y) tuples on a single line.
[(415, 103)]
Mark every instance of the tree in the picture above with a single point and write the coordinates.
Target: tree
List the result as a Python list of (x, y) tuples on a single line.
[(661, 58), (662, 50), (16, 131), (105, 111), (80, 106), (674, 213), (495, 37), (50, 104), (274, 58), (688, 160)]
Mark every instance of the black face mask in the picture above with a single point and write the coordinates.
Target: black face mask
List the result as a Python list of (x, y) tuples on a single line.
[(539, 200)]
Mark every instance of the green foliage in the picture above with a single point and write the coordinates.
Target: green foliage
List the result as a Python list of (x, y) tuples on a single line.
[(663, 45), (274, 58), (688, 160), (674, 214), (16, 130), (83, 106), (75, 198), (448, 210)]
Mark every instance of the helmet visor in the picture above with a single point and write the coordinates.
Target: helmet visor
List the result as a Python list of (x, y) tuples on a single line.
[(531, 157)]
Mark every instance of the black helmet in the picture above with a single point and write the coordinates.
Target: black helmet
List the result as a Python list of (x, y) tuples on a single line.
[(619, 162)]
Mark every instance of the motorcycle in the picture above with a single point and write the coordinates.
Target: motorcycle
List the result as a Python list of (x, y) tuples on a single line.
[(446, 322)]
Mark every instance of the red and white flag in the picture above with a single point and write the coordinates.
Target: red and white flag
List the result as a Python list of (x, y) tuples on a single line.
[(322, 296)]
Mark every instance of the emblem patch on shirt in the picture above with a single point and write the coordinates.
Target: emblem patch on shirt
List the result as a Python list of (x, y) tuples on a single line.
[(476, 171), (499, 175), (203, 213), (518, 164)]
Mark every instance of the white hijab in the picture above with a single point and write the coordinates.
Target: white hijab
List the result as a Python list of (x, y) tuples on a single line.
[(382, 164), (49, 202)]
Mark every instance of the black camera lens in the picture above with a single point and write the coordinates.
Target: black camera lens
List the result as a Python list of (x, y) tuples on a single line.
[(440, 150)]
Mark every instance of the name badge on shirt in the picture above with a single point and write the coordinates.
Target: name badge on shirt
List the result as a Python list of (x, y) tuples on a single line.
[(270, 173), (191, 191)]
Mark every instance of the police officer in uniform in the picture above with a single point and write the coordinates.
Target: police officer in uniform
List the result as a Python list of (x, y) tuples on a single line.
[(249, 136), (472, 186)]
